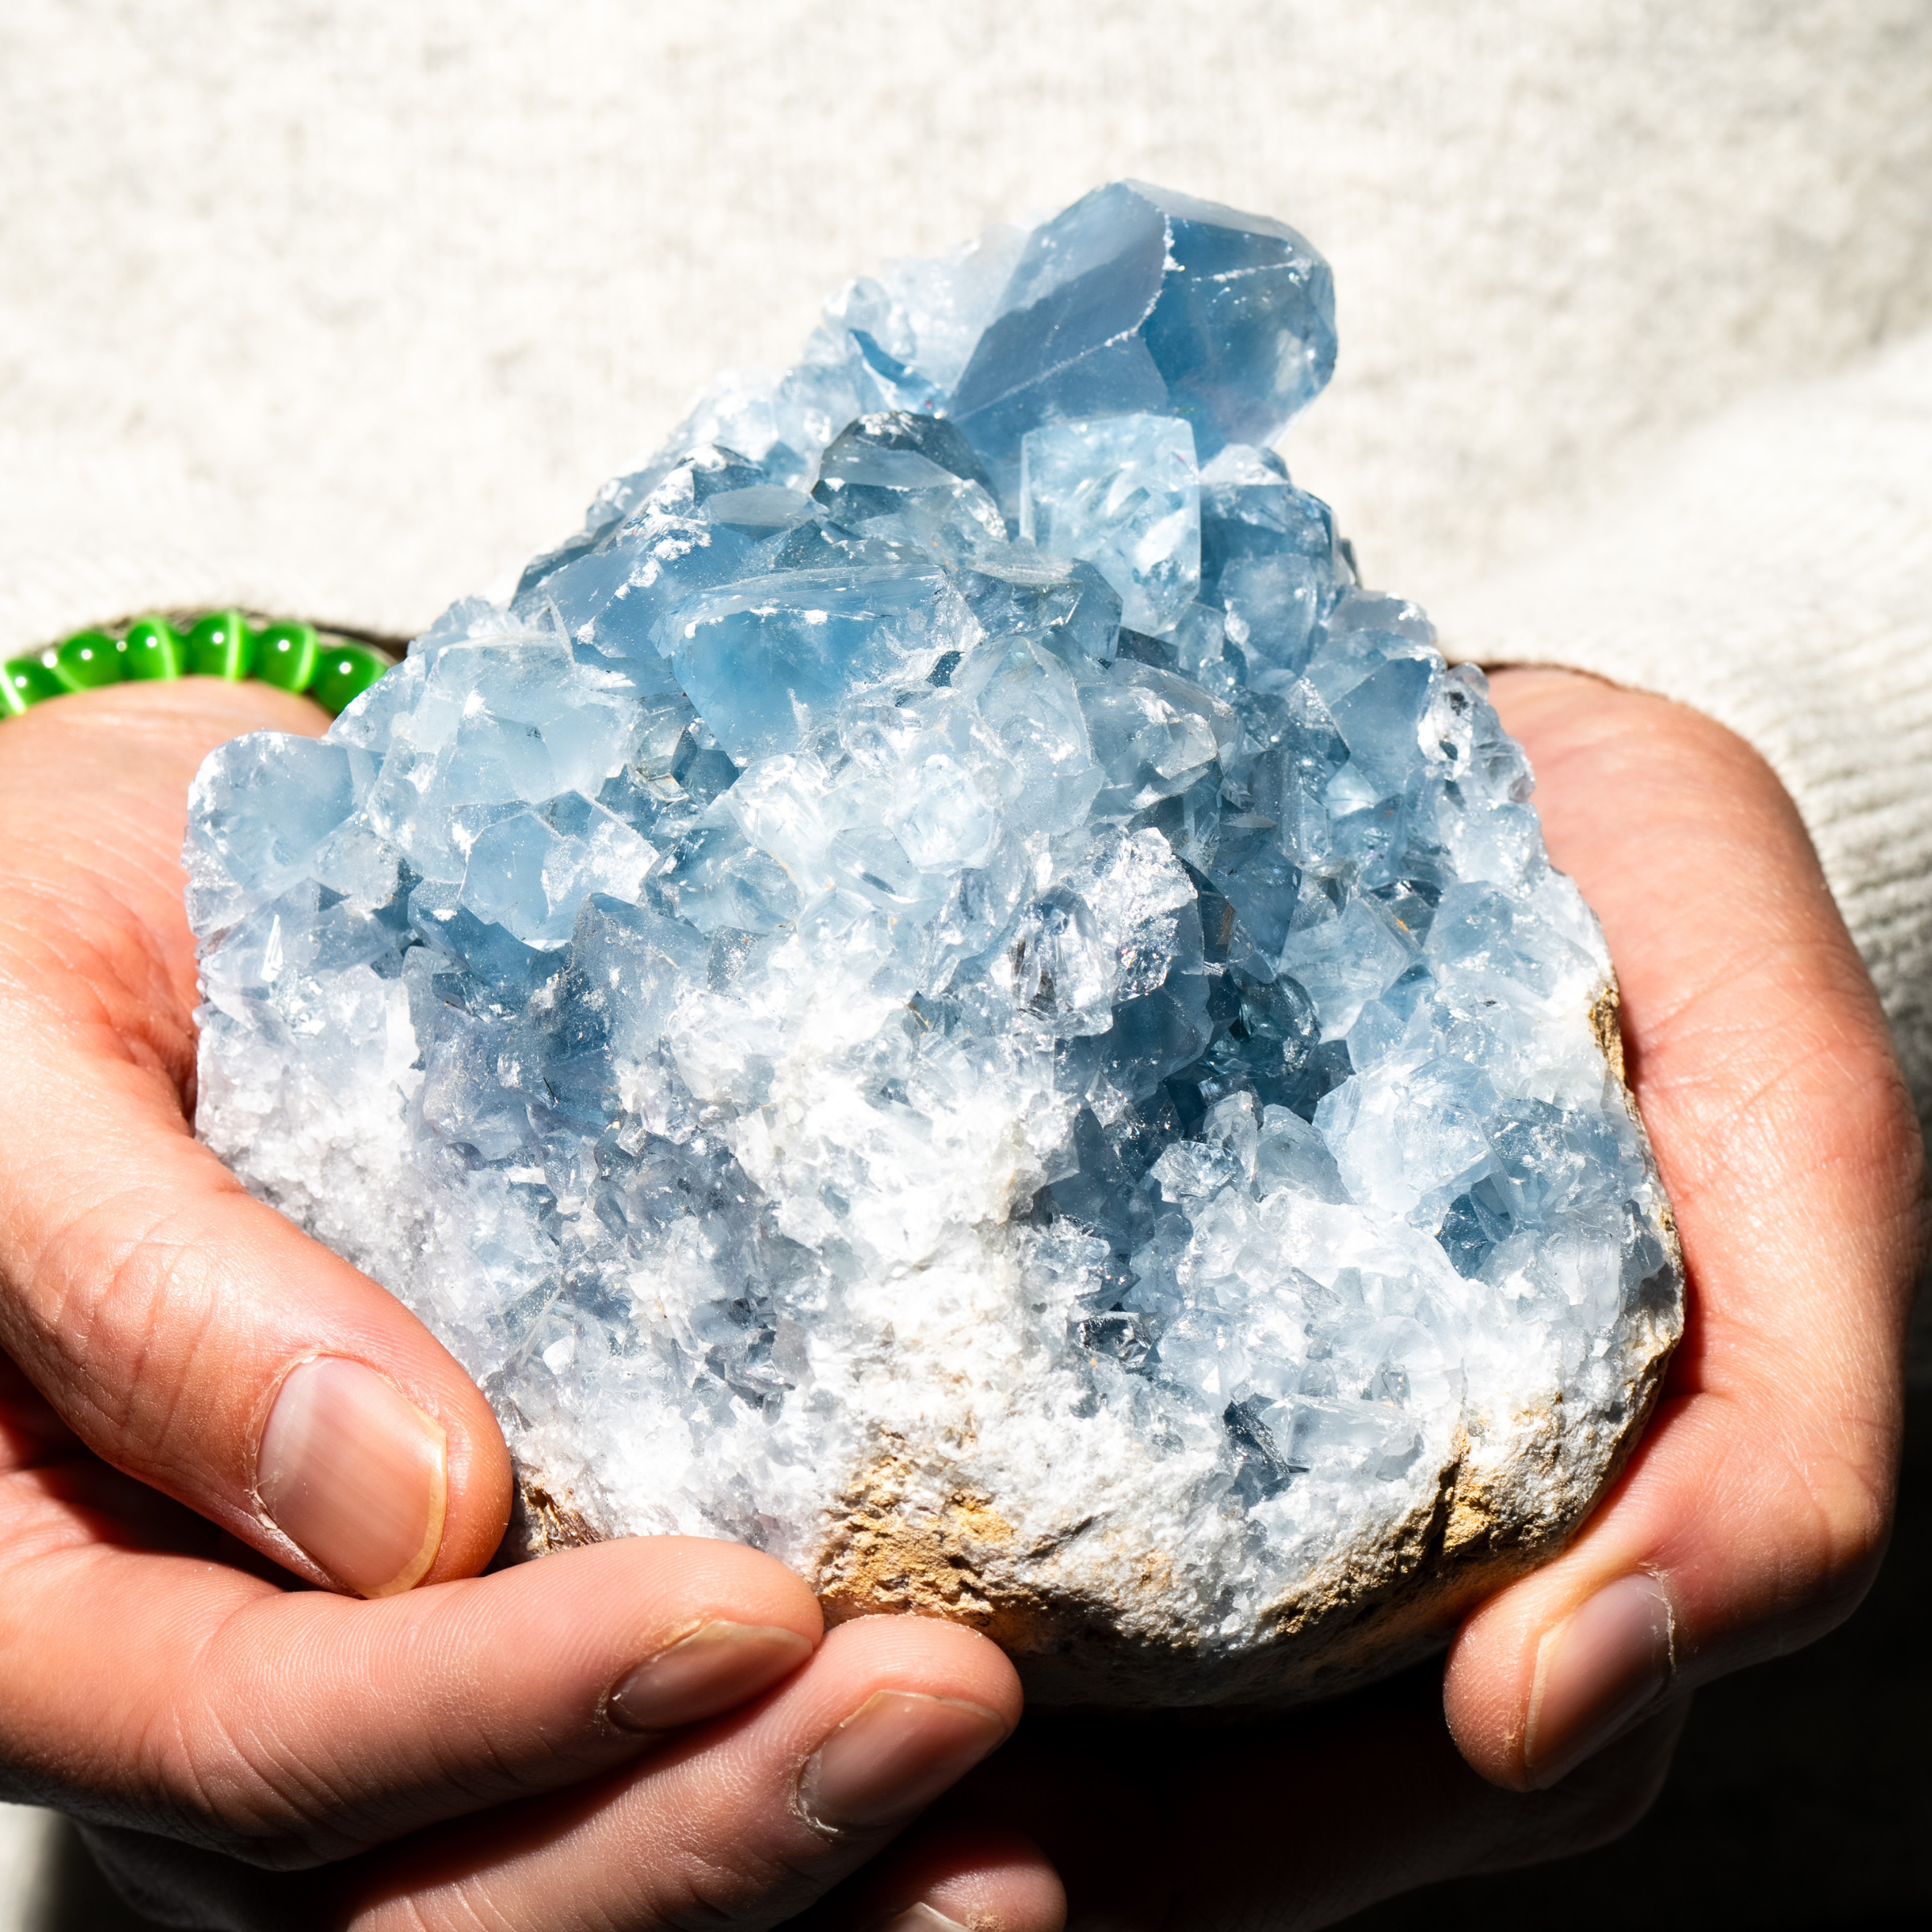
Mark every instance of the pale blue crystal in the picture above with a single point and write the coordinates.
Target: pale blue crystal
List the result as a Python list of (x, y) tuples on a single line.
[(1123, 494), (530, 873), (769, 662), (1137, 299), (943, 933)]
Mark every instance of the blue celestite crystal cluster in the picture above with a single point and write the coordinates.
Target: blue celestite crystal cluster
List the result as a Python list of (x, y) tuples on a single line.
[(942, 990)]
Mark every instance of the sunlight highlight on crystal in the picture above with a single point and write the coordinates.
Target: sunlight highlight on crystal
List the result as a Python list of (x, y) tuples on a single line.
[(943, 992)]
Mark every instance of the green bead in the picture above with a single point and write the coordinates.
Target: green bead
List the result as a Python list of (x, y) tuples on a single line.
[(221, 645), (88, 659), (345, 672), (287, 655), (152, 649), (27, 681)]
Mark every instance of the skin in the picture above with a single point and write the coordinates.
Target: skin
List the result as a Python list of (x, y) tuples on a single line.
[(255, 1754)]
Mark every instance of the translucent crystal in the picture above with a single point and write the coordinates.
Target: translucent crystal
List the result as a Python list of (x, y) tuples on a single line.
[(1137, 299), (943, 992), (1124, 494)]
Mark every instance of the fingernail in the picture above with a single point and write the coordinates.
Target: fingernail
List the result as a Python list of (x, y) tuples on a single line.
[(356, 1474), (1595, 1672), (895, 1754), (713, 1668), (922, 1918)]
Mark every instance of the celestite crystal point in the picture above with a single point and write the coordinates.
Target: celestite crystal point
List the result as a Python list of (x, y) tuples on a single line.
[(944, 992)]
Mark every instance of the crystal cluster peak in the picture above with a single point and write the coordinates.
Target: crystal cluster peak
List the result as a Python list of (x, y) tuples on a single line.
[(943, 991)]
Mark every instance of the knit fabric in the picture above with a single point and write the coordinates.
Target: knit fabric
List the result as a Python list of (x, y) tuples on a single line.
[(1776, 572), (347, 310)]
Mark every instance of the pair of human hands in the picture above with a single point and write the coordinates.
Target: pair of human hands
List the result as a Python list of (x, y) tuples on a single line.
[(659, 1731)]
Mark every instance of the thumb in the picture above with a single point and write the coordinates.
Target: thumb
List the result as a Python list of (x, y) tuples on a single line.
[(1755, 1511), (186, 1333)]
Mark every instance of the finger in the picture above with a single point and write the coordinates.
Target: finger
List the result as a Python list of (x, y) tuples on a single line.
[(95, 792), (946, 1877), (289, 1728), (744, 1821), (188, 1334), (1755, 1511), (1293, 1823), (984, 1878), (1273, 1828)]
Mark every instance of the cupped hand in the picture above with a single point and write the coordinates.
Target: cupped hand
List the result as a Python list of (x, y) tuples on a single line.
[(198, 1405), (1754, 1514)]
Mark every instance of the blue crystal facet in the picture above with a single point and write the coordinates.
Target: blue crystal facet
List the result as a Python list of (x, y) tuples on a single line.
[(1139, 300), (1122, 494), (943, 947)]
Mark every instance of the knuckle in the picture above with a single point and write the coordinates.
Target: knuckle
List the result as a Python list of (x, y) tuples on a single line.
[(1808, 1522), (707, 1889), (260, 1811), (1850, 1506), (128, 1314), (219, 1764)]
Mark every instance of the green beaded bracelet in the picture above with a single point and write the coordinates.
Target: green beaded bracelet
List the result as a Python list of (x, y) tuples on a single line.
[(333, 670)]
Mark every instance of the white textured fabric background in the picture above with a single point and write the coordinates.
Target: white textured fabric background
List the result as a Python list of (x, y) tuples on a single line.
[(25, 1903), (343, 312)]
